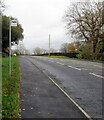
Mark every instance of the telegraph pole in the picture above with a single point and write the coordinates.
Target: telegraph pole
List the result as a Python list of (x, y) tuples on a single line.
[(49, 44)]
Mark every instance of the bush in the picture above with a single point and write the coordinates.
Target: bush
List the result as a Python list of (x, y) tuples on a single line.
[(4, 54), (85, 51), (79, 55)]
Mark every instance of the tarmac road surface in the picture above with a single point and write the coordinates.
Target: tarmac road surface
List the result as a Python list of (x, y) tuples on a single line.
[(41, 98)]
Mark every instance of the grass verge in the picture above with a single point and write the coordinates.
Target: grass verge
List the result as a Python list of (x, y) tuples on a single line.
[(10, 89), (59, 57), (65, 57)]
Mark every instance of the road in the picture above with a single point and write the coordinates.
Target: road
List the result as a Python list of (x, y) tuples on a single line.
[(80, 80)]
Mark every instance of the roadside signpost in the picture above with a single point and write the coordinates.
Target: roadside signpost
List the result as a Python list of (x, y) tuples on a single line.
[(12, 23)]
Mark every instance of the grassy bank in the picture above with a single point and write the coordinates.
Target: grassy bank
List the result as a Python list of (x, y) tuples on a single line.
[(59, 57), (10, 89), (65, 57)]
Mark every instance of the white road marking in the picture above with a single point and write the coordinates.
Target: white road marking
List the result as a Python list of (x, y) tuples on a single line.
[(96, 75), (66, 94), (74, 67), (60, 63), (70, 98), (98, 66)]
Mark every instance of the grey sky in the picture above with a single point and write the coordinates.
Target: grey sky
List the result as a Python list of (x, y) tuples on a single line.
[(40, 18)]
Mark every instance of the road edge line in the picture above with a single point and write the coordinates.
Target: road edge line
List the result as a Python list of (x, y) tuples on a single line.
[(65, 93)]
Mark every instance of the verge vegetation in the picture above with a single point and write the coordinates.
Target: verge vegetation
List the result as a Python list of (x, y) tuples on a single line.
[(10, 89), (65, 57)]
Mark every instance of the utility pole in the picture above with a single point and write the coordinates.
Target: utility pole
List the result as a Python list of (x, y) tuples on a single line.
[(49, 44)]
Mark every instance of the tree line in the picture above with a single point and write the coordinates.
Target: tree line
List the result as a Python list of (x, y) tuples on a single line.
[(85, 22), (16, 32)]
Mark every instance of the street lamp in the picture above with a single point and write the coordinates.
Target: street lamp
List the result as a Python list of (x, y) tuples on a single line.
[(12, 23)]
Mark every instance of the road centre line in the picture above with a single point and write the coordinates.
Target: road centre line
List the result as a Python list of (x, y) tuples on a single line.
[(98, 66), (74, 67), (68, 66), (96, 75), (65, 93)]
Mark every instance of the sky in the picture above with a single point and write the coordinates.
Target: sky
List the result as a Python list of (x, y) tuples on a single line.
[(39, 18)]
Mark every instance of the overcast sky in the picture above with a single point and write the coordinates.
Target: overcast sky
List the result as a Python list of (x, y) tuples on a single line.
[(39, 18)]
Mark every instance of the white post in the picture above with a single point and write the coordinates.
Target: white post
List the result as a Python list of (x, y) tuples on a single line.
[(12, 23), (49, 44), (10, 46)]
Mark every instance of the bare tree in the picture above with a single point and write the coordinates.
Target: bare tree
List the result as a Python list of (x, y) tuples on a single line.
[(2, 6), (44, 51), (52, 50), (64, 47), (20, 48), (38, 51), (84, 21)]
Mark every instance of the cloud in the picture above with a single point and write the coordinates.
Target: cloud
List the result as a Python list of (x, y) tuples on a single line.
[(40, 18)]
